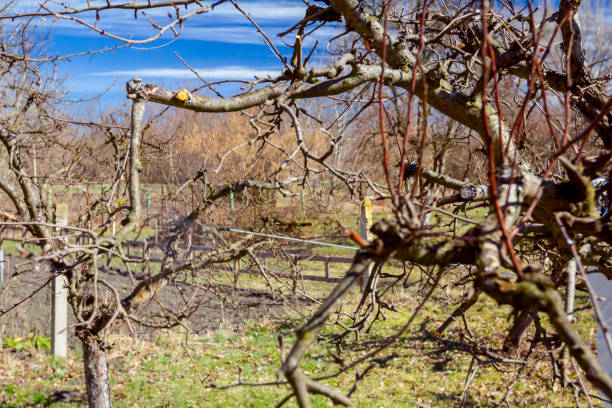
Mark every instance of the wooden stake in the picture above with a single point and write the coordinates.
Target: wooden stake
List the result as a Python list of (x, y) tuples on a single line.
[(59, 308), (232, 205), (365, 222)]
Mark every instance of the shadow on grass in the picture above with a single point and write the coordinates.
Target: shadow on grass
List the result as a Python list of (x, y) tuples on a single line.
[(65, 396)]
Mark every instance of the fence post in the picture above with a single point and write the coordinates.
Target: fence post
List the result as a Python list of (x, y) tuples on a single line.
[(569, 309), (163, 207), (1, 267), (148, 205), (236, 273), (59, 308), (365, 222), (303, 204), (232, 205), (155, 226)]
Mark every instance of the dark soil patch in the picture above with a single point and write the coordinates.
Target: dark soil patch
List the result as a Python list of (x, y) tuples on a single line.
[(214, 305)]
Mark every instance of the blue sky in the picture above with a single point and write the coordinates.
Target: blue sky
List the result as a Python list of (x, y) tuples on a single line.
[(221, 44)]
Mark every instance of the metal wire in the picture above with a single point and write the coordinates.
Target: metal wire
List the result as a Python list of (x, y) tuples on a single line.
[(308, 241)]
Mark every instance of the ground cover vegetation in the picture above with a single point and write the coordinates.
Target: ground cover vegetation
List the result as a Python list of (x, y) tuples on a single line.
[(482, 132)]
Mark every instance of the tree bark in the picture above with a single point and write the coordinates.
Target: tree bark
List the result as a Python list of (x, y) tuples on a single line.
[(513, 340), (96, 372)]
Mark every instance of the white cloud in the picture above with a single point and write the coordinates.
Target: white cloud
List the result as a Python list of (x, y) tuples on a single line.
[(246, 34), (228, 72), (224, 23), (267, 10), (229, 34), (263, 10)]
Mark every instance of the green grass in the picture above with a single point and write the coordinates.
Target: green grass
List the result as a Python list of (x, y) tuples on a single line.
[(15, 396), (10, 248), (29, 342), (420, 369)]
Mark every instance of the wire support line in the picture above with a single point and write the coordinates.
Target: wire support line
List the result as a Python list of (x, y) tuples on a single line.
[(308, 241)]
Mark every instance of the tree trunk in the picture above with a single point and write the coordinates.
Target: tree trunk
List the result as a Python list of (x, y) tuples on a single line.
[(518, 330), (96, 372)]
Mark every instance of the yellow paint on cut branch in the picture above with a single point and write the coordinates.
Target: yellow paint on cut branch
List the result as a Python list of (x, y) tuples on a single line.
[(182, 95)]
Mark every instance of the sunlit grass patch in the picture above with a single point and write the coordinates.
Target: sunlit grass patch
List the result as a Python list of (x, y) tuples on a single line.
[(419, 369)]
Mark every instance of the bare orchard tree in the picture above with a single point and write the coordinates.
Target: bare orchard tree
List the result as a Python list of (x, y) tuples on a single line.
[(42, 161), (493, 72)]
